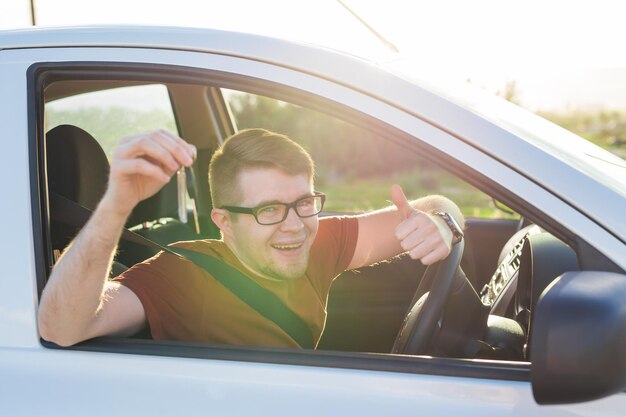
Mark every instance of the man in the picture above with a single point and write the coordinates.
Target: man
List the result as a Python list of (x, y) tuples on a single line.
[(266, 208)]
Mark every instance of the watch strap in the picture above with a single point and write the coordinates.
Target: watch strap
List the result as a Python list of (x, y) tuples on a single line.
[(452, 224)]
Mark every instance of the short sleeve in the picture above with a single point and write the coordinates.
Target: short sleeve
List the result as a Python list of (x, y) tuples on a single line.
[(170, 291), (332, 250)]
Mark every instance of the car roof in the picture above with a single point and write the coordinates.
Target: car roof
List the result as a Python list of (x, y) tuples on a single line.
[(187, 38)]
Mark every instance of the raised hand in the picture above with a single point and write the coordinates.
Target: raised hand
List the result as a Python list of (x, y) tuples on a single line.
[(142, 164), (423, 236)]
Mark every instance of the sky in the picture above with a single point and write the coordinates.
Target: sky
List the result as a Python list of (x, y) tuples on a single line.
[(561, 54)]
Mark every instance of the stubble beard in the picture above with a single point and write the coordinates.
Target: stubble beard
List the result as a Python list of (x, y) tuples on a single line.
[(288, 273)]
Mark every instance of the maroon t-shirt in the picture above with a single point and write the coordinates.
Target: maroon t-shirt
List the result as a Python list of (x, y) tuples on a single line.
[(184, 302)]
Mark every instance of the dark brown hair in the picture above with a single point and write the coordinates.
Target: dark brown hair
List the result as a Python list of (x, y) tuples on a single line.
[(253, 148)]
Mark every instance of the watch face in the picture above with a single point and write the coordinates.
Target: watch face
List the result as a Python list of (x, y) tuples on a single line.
[(452, 224)]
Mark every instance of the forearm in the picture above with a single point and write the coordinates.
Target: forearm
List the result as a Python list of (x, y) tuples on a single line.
[(378, 239), (73, 295), (435, 203), (72, 305)]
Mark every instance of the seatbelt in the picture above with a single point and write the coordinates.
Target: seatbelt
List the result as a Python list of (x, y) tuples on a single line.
[(258, 298)]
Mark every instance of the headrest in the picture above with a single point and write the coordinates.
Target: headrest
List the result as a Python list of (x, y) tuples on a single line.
[(78, 168)]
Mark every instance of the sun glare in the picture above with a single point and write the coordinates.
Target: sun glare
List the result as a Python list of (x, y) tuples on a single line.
[(489, 42)]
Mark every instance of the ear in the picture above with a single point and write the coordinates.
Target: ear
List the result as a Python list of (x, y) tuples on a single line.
[(222, 219)]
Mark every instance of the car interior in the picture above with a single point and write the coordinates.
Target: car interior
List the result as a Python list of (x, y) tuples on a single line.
[(477, 304)]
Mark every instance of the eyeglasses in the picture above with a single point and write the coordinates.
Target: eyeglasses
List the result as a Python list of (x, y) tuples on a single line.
[(274, 213)]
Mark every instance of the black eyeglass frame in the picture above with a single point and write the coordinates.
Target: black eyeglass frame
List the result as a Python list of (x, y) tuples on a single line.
[(294, 205)]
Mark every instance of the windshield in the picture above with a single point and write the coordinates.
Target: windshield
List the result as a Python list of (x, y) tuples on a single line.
[(599, 164)]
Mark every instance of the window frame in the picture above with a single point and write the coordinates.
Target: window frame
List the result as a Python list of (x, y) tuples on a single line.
[(39, 75)]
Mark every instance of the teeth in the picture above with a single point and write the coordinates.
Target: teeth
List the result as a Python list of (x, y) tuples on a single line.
[(294, 246)]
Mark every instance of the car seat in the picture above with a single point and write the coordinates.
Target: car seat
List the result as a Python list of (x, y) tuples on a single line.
[(78, 170)]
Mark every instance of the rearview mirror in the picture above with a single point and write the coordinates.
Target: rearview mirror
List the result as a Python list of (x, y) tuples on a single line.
[(578, 338)]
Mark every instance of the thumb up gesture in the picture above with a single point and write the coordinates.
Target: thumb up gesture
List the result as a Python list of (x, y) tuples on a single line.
[(423, 236)]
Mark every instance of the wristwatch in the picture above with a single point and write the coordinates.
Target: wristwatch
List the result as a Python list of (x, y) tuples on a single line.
[(457, 232)]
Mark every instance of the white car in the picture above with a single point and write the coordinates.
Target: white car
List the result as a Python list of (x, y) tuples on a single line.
[(538, 319)]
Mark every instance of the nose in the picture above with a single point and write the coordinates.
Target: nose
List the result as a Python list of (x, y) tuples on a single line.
[(293, 222)]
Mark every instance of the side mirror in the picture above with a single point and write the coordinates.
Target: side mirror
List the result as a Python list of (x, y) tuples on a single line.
[(578, 338)]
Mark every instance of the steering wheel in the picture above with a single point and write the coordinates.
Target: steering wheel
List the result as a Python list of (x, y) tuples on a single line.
[(423, 318)]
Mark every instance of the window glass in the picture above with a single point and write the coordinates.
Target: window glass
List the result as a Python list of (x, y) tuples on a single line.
[(111, 114), (354, 166)]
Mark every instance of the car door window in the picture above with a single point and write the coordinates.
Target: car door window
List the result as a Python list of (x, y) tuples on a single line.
[(355, 166)]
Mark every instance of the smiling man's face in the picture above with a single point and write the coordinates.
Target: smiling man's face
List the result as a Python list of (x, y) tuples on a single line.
[(279, 251)]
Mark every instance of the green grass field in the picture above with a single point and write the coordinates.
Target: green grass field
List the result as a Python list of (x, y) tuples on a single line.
[(359, 195)]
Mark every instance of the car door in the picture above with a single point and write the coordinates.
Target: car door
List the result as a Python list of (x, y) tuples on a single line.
[(162, 378)]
